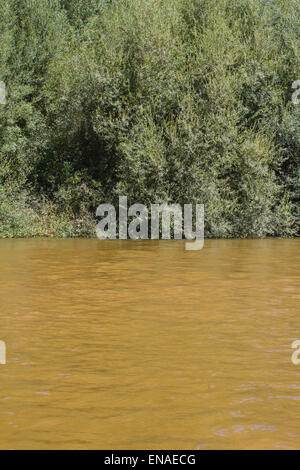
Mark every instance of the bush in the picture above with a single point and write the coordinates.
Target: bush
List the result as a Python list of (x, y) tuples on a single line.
[(185, 101)]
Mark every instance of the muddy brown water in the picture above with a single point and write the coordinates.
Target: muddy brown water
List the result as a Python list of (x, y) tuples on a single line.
[(143, 345)]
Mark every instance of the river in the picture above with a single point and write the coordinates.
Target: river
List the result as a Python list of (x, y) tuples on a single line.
[(143, 345)]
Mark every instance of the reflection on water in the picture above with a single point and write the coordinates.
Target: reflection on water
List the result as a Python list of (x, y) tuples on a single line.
[(141, 344)]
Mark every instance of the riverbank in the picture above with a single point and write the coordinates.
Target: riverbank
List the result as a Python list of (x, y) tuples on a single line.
[(25, 222)]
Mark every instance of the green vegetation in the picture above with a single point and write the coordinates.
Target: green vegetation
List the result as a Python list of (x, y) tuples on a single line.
[(165, 101)]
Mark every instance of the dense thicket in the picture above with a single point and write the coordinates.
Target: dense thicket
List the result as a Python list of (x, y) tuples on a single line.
[(164, 101)]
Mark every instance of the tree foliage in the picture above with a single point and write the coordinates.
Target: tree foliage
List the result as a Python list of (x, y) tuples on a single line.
[(182, 102)]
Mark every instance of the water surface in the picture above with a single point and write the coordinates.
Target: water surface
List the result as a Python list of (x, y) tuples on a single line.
[(143, 345)]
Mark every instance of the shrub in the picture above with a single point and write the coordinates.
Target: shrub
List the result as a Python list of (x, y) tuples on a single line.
[(185, 101)]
